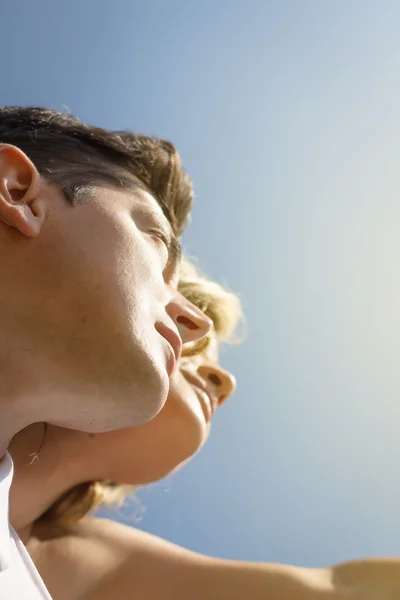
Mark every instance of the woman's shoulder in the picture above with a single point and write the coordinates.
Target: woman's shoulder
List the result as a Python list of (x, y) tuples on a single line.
[(74, 559), (124, 541)]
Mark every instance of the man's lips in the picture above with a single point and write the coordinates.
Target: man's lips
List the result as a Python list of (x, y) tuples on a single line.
[(175, 343)]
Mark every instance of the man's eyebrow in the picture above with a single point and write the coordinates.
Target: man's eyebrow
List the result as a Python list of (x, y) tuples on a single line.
[(175, 251), (173, 244), (170, 239)]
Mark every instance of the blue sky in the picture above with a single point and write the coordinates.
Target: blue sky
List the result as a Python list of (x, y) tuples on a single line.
[(286, 115)]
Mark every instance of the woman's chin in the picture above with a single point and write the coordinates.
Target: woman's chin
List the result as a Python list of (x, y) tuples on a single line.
[(162, 446), (167, 462)]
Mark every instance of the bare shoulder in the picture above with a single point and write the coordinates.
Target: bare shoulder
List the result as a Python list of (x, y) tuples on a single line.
[(97, 559), (121, 537), (150, 568), (76, 561), (126, 543)]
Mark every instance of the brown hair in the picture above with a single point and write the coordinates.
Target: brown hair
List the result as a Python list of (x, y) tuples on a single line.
[(224, 308), (79, 157)]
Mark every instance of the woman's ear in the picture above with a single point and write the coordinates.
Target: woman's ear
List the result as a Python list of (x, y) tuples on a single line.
[(21, 206)]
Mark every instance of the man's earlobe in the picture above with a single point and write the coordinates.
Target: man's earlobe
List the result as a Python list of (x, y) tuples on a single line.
[(21, 206)]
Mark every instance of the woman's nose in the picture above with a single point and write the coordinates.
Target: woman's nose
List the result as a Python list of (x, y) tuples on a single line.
[(219, 382), (191, 322)]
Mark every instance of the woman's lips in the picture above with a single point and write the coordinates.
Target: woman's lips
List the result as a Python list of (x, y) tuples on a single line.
[(208, 403), (205, 402)]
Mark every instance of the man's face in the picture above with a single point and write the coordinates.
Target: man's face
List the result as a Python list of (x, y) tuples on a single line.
[(94, 297)]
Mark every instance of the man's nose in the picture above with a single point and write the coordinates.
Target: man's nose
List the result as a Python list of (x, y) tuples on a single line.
[(191, 322), (220, 383)]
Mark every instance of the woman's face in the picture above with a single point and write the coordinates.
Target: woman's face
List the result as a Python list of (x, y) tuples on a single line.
[(151, 451)]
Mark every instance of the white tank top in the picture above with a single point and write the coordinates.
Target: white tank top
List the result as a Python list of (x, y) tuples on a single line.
[(19, 579)]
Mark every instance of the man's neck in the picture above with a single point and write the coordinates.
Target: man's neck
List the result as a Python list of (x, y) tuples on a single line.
[(47, 461), (12, 420)]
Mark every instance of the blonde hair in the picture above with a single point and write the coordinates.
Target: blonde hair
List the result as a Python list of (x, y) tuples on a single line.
[(218, 303), (225, 310)]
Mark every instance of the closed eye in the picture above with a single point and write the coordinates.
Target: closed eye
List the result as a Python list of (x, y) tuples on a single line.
[(160, 235), (173, 248)]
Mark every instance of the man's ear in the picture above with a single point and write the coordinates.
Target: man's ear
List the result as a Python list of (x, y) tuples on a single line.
[(21, 206)]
